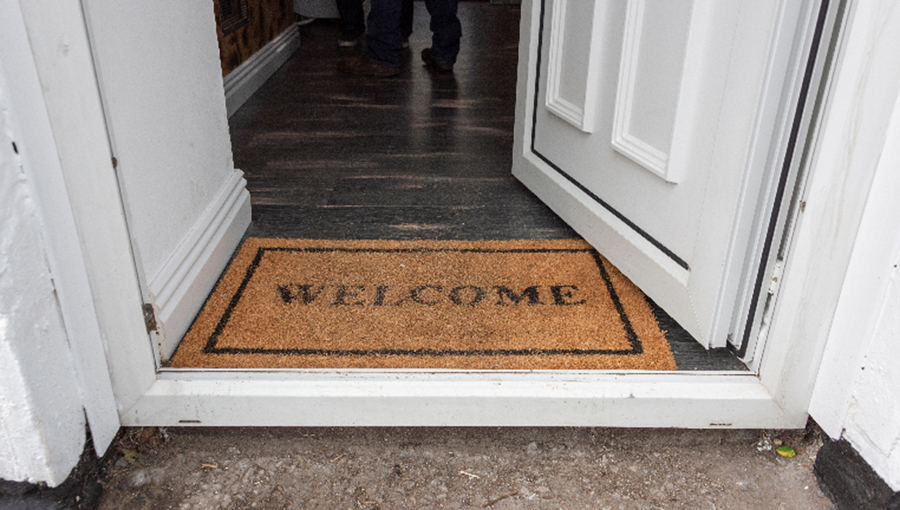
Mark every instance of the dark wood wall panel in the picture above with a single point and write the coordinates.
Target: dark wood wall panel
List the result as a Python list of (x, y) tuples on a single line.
[(266, 20)]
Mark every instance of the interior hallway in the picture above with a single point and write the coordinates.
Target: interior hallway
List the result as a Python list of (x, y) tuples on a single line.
[(419, 156)]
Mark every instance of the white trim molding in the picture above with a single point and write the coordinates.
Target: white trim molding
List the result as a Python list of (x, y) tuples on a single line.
[(669, 163), (66, 256), (81, 142), (581, 116), (248, 77), (652, 158), (181, 286)]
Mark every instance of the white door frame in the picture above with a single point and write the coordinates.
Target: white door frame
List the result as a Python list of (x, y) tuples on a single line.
[(776, 396), (65, 256)]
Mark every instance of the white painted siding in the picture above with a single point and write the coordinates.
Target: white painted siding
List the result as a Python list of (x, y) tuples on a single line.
[(873, 423), (857, 392), (41, 416)]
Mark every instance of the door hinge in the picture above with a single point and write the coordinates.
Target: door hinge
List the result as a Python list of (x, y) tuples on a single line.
[(149, 317)]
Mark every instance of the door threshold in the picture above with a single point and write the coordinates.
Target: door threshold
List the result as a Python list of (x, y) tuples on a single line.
[(406, 397), (170, 373)]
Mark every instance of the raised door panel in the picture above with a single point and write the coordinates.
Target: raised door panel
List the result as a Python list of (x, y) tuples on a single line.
[(653, 170), (651, 76)]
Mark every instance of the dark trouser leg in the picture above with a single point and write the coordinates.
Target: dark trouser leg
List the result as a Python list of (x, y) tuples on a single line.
[(446, 30), (406, 19), (353, 20), (383, 39)]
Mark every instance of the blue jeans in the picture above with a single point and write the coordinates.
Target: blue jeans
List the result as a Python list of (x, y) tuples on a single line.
[(384, 39)]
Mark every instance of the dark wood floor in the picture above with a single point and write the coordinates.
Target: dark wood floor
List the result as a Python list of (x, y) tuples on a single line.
[(419, 156)]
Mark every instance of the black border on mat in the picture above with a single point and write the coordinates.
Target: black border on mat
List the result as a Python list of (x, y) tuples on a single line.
[(211, 348)]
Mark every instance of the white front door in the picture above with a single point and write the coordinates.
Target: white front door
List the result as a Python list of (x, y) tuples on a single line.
[(647, 125)]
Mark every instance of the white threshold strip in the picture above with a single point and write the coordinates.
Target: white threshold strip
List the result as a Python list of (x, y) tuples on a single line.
[(455, 398)]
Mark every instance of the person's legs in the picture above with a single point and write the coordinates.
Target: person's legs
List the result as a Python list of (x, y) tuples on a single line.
[(383, 38), (446, 30), (353, 20)]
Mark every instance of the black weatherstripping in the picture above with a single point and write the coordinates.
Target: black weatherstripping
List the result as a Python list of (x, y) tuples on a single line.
[(782, 182), (211, 347)]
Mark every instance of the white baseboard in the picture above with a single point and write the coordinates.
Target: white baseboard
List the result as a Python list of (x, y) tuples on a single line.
[(181, 287), (248, 77)]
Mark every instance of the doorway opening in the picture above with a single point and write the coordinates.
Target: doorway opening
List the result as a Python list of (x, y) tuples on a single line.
[(420, 157)]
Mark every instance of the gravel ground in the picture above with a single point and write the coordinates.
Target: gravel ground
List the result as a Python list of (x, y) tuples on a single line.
[(499, 468)]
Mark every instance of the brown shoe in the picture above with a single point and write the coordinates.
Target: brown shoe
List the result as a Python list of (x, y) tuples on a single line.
[(362, 66), (434, 64)]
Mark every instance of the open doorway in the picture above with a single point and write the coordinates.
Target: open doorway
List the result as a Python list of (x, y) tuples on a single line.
[(164, 127), (423, 156)]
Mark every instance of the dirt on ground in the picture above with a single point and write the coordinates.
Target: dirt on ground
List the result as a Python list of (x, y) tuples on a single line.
[(498, 468)]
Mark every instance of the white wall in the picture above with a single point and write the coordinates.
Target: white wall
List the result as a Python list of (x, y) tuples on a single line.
[(161, 83), (42, 424), (160, 79), (873, 423), (857, 392)]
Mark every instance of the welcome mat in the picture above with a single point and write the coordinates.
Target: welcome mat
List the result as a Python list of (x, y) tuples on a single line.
[(424, 304)]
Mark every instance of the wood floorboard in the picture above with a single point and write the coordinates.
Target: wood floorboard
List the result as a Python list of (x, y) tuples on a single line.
[(395, 222), (419, 156)]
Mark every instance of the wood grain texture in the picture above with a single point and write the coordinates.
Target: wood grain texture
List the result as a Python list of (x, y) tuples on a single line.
[(420, 156), (267, 19)]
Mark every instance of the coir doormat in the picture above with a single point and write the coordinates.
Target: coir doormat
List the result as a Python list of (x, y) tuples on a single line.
[(424, 304)]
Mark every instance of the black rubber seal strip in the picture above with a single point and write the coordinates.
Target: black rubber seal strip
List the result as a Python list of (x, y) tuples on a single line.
[(782, 182)]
